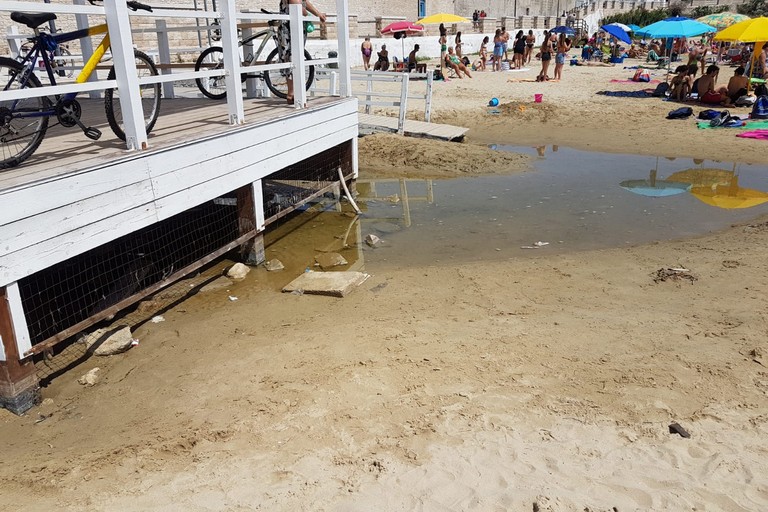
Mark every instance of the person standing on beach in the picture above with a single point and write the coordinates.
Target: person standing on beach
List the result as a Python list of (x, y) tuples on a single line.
[(443, 40), (505, 41), (563, 47), (367, 49), (530, 42), (483, 54), (546, 57), (498, 50), (457, 44)]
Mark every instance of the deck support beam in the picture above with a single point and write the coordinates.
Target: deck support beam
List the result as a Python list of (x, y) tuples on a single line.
[(250, 214), (19, 389)]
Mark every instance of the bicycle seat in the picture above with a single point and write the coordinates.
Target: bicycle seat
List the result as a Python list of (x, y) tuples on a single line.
[(32, 19)]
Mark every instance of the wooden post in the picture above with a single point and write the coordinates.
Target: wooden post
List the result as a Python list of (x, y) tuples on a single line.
[(342, 37), (428, 99), (19, 389), (403, 103), (86, 48), (119, 25), (164, 51), (298, 71), (250, 213), (229, 45)]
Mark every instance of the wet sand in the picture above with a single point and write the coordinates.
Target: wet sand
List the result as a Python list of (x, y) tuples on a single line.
[(494, 385)]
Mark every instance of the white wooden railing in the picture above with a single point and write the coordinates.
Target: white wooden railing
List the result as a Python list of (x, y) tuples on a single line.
[(396, 99), (127, 81)]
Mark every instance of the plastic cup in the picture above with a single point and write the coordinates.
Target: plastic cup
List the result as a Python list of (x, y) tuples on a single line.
[(538, 98)]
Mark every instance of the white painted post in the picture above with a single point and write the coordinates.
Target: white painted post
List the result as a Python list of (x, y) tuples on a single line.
[(164, 53), (86, 48), (342, 36), (13, 43), (334, 78), (19, 319), (368, 88), (403, 103), (251, 90), (355, 167), (258, 203), (231, 61), (125, 72), (297, 55), (428, 101)]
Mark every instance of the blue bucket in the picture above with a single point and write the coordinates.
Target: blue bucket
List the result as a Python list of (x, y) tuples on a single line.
[(494, 102)]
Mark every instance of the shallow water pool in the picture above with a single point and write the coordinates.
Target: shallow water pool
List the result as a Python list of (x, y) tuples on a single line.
[(572, 200)]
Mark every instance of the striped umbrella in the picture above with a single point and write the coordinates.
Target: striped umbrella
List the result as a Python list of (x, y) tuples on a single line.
[(722, 20)]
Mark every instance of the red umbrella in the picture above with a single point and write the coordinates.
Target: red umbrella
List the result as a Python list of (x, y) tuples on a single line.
[(401, 29)]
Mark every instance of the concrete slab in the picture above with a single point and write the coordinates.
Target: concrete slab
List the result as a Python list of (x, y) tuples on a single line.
[(335, 284)]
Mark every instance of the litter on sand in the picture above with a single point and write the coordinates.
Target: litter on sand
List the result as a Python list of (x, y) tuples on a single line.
[(674, 274), (536, 245)]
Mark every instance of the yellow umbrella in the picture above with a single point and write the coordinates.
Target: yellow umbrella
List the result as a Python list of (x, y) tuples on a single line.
[(747, 31), (441, 17), (730, 196)]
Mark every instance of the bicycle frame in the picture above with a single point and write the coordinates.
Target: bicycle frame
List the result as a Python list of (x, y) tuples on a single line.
[(44, 40), (266, 36)]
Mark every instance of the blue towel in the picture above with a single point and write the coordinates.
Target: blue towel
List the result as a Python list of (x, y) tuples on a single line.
[(627, 94)]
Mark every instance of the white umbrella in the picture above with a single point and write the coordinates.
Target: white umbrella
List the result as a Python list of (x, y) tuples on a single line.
[(622, 26)]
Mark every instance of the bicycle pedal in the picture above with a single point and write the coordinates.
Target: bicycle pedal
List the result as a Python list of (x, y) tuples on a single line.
[(92, 133)]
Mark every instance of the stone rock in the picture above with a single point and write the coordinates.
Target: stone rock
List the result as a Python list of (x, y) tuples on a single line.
[(336, 284), (372, 240), (90, 378), (330, 260), (274, 265), (47, 402), (220, 283), (386, 227), (238, 271), (148, 306), (108, 342)]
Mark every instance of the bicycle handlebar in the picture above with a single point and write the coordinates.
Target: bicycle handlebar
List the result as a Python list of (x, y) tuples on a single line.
[(133, 5)]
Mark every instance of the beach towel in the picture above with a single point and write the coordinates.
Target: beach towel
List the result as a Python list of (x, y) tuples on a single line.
[(630, 81), (520, 80), (645, 93), (741, 124), (754, 134)]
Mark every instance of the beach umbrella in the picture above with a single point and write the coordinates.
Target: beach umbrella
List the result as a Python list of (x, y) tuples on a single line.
[(722, 20), (625, 28), (402, 29), (730, 196), (633, 27), (701, 177), (753, 30), (442, 17), (617, 32), (678, 26), (562, 29), (653, 187)]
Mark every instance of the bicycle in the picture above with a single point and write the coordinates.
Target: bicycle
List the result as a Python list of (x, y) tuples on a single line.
[(63, 60), (213, 58), (23, 122)]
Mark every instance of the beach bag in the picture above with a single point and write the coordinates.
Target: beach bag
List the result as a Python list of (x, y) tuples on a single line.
[(680, 113), (641, 75), (661, 90), (709, 114), (745, 101), (437, 75), (721, 119), (760, 108)]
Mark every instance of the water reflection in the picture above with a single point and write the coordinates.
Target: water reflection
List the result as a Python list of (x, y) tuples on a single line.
[(368, 191)]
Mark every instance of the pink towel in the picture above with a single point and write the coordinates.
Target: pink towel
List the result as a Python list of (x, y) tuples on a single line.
[(754, 134)]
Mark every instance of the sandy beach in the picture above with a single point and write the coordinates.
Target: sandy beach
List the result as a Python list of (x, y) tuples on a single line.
[(540, 384)]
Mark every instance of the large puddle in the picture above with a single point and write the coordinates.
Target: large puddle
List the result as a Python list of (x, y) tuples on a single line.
[(571, 201)]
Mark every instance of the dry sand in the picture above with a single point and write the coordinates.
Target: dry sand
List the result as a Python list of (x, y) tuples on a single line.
[(539, 384)]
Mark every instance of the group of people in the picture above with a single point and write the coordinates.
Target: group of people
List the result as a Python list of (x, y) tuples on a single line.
[(382, 61), (684, 83), (522, 48), (557, 45)]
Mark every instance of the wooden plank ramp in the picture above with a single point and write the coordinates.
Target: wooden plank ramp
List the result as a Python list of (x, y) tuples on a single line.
[(368, 124)]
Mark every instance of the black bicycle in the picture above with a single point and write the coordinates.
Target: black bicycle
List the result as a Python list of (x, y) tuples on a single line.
[(24, 121), (213, 59)]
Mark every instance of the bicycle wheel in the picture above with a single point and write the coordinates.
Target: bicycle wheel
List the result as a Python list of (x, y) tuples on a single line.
[(276, 79), (150, 97), (212, 86), (20, 135)]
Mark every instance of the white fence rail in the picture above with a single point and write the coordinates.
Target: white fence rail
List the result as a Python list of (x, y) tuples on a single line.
[(396, 99), (127, 82)]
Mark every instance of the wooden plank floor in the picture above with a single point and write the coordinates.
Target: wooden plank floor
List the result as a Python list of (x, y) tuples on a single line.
[(375, 124), (67, 150)]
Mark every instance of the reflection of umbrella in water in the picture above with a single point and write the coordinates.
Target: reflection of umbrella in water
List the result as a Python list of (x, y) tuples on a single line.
[(730, 195), (655, 188), (700, 177)]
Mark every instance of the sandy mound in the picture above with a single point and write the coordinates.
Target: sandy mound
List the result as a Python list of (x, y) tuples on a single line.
[(393, 156)]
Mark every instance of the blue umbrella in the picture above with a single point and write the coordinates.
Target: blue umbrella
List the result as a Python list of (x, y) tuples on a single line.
[(655, 188), (617, 32), (562, 29), (675, 27), (633, 27)]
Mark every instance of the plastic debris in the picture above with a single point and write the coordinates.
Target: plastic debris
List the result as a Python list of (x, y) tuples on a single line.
[(232, 298), (157, 319)]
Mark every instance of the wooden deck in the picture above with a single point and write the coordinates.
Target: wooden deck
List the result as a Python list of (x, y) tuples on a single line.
[(182, 120), (369, 124)]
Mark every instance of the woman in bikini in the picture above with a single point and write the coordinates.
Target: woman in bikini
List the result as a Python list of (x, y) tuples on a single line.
[(443, 40), (530, 42), (518, 50), (457, 44), (367, 49), (483, 55), (546, 57), (563, 46)]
